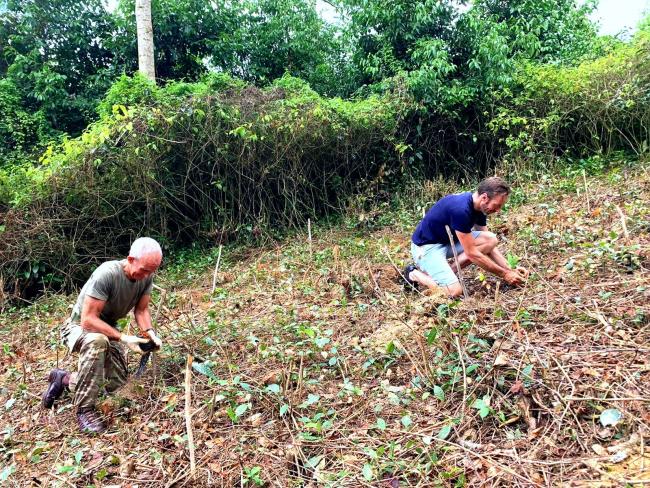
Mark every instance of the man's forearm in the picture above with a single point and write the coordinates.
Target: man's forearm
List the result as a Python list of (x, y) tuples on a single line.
[(485, 262), (143, 319), (498, 258), (97, 325)]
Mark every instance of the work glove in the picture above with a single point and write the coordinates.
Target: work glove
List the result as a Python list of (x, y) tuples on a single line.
[(156, 340), (133, 342)]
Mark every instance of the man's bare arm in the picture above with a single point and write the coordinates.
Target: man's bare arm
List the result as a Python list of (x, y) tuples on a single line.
[(477, 257), (91, 321), (142, 313)]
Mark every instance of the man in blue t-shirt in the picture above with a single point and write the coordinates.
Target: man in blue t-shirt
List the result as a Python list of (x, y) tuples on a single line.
[(465, 214)]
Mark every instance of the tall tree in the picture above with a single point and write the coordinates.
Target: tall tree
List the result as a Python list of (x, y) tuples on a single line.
[(55, 54), (275, 37), (549, 31), (185, 34), (145, 39)]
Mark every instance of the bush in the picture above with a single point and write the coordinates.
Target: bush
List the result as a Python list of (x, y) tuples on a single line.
[(238, 164), (597, 107), (20, 131)]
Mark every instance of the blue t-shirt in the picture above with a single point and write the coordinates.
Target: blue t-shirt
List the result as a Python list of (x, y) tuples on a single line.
[(456, 211)]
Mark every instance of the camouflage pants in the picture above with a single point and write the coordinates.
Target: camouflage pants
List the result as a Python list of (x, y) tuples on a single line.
[(102, 363)]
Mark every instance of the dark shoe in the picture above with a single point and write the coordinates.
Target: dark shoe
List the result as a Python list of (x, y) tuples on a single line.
[(90, 421), (407, 271), (55, 388)]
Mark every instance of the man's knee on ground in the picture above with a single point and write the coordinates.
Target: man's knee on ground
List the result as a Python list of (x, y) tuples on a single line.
[(455, 290)]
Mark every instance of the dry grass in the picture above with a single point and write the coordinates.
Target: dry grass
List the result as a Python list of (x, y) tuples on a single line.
[(344, 382)]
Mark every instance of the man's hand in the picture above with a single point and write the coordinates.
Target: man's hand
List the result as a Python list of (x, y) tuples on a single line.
[(522, 271), (512, 277), (133, 342), (156, 340)]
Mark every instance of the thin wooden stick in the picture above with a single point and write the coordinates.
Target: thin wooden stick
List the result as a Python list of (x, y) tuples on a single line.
[(216, 270), (163, 295), (460, 272), (311, 252), (462, 363), (188, 413), (584, 180), (154, 356), (615, 399), (623, 224)]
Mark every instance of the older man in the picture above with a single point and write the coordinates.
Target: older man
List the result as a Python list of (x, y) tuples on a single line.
[(114, 289), (465, 214)]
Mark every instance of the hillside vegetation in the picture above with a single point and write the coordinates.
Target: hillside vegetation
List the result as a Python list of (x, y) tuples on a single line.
[(221, 161), (314, 367)]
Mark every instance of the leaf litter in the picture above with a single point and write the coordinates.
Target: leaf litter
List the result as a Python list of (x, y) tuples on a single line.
[(322, 370)]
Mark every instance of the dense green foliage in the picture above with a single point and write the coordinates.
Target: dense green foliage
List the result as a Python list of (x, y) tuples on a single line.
[(229, 165), (54, 54), (244, 134)]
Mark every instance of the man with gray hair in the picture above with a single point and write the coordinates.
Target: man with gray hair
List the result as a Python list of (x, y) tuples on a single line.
[(114, 289)]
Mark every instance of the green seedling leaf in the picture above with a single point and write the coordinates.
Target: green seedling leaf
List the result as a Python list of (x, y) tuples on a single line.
[(611, 416), (311, 399), (274, 388), (204, 369), (284, 409), (321, 342), (241, 409), (432, 335), (8, 471), (381, 424), (367, 472), (314, 461), (444, 432), (439, 393), (483, 406), (406, 421)]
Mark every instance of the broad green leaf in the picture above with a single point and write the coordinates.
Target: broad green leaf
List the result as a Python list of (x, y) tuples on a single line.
[(241, 409), (367, 472), (273, 388), (444, 432)]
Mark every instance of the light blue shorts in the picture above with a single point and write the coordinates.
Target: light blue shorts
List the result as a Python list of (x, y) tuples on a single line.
[(432, 260)]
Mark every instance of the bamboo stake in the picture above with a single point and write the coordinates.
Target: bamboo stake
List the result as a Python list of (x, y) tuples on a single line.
[(584, 180), (460, 271), (623, 224), (154, 356), (462, 363), (188, 413), (311, 252), (216, 270)]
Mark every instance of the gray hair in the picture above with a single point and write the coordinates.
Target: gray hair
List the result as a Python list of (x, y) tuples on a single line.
[(144, 246)]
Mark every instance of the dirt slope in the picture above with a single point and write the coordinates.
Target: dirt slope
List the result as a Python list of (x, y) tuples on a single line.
[(313, 367)]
